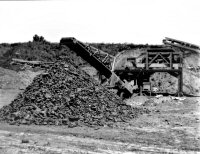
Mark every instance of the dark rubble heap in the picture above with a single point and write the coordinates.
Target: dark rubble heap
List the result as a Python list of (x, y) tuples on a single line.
[(66, 95)]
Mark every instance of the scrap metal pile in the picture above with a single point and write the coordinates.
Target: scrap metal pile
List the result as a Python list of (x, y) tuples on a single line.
[(65, 95)]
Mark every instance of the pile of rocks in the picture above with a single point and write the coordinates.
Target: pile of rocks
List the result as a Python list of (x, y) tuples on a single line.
[(65, 95)]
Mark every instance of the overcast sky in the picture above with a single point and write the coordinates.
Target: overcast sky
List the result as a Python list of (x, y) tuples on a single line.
[(131, 21)]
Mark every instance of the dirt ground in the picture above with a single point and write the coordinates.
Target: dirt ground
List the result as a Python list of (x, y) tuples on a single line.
[(168, 128), (172, 126)]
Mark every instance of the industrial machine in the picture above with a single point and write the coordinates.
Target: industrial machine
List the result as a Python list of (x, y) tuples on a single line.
[(99, 59), (130, 71)]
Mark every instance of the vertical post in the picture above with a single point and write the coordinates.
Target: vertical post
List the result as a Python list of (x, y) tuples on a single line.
[(180, 77), (140, 84), (180, 82), (141, 90), (147, 61), (150, 87), (171, 63)]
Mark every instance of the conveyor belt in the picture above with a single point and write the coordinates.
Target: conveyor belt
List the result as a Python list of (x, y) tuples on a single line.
[(89, 54), (181, 44)]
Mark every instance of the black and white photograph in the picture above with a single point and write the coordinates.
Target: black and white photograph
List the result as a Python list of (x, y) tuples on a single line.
[(99, 77)]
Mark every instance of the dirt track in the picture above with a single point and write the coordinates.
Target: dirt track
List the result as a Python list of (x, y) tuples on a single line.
[(169, 128)]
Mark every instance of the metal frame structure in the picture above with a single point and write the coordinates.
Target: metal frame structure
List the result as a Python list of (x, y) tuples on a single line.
[(168, 58), (156, 60)]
